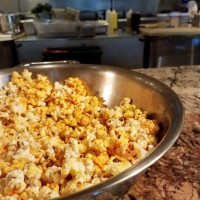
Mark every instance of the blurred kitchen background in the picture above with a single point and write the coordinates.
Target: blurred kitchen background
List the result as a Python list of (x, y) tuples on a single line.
[(144, 6), (124, 33)]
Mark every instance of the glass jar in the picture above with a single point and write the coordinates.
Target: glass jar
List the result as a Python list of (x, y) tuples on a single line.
[(184, 19), (174, 19), (162, 19)]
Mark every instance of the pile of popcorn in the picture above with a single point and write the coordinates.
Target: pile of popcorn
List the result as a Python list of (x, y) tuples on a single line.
[(55, 139)]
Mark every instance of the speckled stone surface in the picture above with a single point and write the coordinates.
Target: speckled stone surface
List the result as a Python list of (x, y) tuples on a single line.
[(176, 176)]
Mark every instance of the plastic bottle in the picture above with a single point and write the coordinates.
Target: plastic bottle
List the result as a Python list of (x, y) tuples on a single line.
[(108, 15), (113, 20), (128, 20)]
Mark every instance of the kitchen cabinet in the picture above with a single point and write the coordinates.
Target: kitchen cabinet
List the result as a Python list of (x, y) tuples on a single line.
[(171, 46), (8, 54), (171, 51), (121, 50)]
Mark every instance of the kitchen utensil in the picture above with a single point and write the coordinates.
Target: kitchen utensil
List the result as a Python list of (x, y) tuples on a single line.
[(113, 84), (56, 28), (28, 26)]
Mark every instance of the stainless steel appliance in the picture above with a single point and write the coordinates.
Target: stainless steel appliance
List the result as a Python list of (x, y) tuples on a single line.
[(67, 28), (171, 51), (83, 54), (28, 26), (56, 28), (10, 23), (146, 92), (92, 28)]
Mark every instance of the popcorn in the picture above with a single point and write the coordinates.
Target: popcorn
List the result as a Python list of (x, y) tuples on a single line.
[(55, 139), (71, 149), (116, 168), (21, 153), (47, 193), (32, 171), (53, 175), (14, 182), (9, 197)]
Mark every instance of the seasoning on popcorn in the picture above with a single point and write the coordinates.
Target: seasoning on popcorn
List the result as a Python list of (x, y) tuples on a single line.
[(55, 139)]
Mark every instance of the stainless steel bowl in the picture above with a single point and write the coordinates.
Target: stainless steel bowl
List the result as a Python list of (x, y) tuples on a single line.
[(113, 84)]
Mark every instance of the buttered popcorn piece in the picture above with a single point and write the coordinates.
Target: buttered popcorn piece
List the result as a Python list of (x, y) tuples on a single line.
[(55, 139)]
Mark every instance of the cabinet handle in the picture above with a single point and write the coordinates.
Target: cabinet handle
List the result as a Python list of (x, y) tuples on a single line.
[(19, 45), (141, 39)]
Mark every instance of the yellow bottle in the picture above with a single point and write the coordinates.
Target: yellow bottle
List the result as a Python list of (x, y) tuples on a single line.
[(113, 21)]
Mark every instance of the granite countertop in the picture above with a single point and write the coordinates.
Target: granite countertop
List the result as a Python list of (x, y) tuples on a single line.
[(176, 176)]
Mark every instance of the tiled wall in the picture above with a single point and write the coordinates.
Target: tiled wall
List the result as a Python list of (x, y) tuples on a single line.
[(82, 4), (27, 5), (144, 6), (169, 4)]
